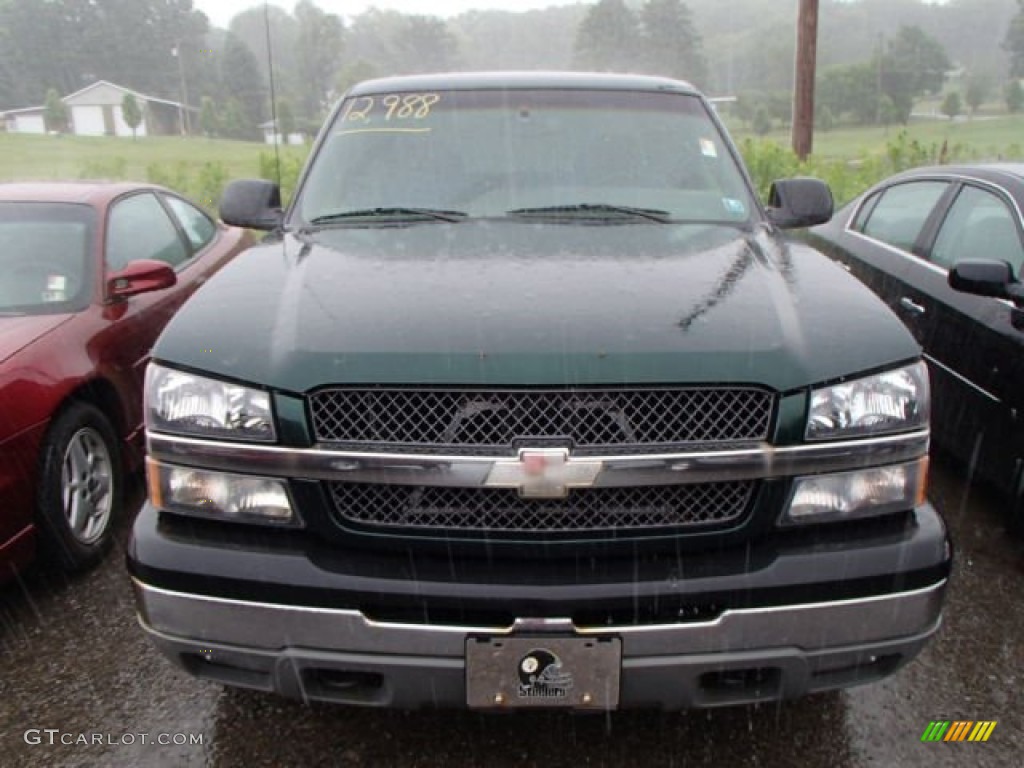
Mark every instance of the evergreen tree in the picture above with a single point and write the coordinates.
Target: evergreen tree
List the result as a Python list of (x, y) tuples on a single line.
[(319, 51), (670, 43), (1014, 96), (608, 38), (1014, 42), (209, 121), (242, 82)]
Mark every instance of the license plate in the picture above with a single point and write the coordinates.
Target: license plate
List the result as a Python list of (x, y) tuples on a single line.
[(543, 672)]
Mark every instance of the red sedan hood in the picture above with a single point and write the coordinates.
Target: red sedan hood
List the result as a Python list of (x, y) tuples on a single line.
[(17, 333)]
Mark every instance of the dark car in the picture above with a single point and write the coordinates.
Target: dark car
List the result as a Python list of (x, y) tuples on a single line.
[(920, 240), (527, 402), (89, 275)]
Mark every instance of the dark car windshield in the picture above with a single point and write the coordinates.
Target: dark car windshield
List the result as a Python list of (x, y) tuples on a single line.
[(44, 263), (529, 154)]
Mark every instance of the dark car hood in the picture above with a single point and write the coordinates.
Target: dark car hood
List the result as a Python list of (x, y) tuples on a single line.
[(19, 331), (515, 303)]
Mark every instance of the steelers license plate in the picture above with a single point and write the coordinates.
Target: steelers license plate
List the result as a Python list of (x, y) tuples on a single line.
[(543, 672)]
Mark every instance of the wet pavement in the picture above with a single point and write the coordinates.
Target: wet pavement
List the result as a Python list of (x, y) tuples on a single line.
[(74, 660)]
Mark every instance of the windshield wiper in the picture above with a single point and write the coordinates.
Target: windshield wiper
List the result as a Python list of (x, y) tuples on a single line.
[(595, 210), (399, 213)]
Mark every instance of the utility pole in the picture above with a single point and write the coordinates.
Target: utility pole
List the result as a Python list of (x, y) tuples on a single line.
[(183, 115), (806, 64)]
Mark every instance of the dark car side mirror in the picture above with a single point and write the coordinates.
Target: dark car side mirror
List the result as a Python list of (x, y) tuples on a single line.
[(252, 204), (797, 203), (140, 276), (986, 277)]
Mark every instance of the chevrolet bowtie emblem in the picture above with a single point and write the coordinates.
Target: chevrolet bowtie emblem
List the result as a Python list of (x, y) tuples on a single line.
[(543, 473)]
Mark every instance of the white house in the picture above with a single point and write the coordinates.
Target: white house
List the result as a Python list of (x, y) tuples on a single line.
[(272, 136), (27, 120), (96, 111)]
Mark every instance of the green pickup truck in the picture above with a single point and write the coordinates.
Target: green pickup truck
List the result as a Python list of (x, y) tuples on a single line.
[(525, 402)]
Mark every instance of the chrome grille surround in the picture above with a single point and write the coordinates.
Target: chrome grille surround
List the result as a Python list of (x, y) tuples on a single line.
[(495, 421)]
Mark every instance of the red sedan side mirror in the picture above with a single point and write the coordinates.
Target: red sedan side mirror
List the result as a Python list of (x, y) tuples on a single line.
[(140, 276)]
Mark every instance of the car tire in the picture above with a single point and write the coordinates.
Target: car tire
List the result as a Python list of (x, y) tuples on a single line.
[(81, 487)]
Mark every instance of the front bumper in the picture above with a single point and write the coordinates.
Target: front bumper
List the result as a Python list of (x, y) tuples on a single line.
[(291, 621), (744, 656)]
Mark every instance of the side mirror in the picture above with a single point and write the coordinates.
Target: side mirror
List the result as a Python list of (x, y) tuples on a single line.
[(986, 277), (140, 276), (252, 204), (796, 203)]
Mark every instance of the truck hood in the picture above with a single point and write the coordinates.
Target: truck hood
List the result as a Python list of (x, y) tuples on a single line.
[(523, 303)]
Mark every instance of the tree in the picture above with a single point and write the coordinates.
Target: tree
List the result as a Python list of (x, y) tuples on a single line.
[(235, 124), (670, 43), (55, 113), (209, 121), (319, 51), (244, 84), (1013, 43), (952, 105), (915, 63), (353, 72), (1014, 96), (68, 44), (608, 38), (851, 91), (131, 114), (285, 120), (424, 44), (978, 89)]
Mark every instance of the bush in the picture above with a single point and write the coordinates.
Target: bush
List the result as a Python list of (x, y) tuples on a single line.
[(769, 161), (292, 160), (105, 169), (203, 184)]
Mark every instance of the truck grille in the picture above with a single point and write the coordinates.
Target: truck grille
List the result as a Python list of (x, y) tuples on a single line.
[(500, 510), (496, 419)]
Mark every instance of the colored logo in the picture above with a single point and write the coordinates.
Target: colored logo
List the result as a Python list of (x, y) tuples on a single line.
[(541, 676), (959, 730)]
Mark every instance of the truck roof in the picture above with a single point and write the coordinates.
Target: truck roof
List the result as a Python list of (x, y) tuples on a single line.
[(521, 80)]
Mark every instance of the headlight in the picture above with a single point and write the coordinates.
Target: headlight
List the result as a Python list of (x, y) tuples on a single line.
[(852, 495), (185, 404), (198, 492), (894, 401)]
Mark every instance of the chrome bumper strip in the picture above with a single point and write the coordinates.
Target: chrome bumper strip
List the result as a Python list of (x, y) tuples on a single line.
[(273, 627), (749, 462)]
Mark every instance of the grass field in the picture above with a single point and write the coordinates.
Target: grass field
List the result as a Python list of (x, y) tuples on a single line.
[(850, 159), (984, 138), (63, 157)]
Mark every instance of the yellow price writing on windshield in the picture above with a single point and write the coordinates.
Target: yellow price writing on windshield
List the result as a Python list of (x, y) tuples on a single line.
[(394, 106)]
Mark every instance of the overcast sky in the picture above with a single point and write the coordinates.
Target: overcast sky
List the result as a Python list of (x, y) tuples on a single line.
[(221, 11)]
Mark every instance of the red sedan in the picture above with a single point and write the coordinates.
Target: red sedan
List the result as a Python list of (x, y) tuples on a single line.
[(90, 274)]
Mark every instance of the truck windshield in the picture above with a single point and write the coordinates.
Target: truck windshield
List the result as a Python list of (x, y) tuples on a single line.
[(566, 154)]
